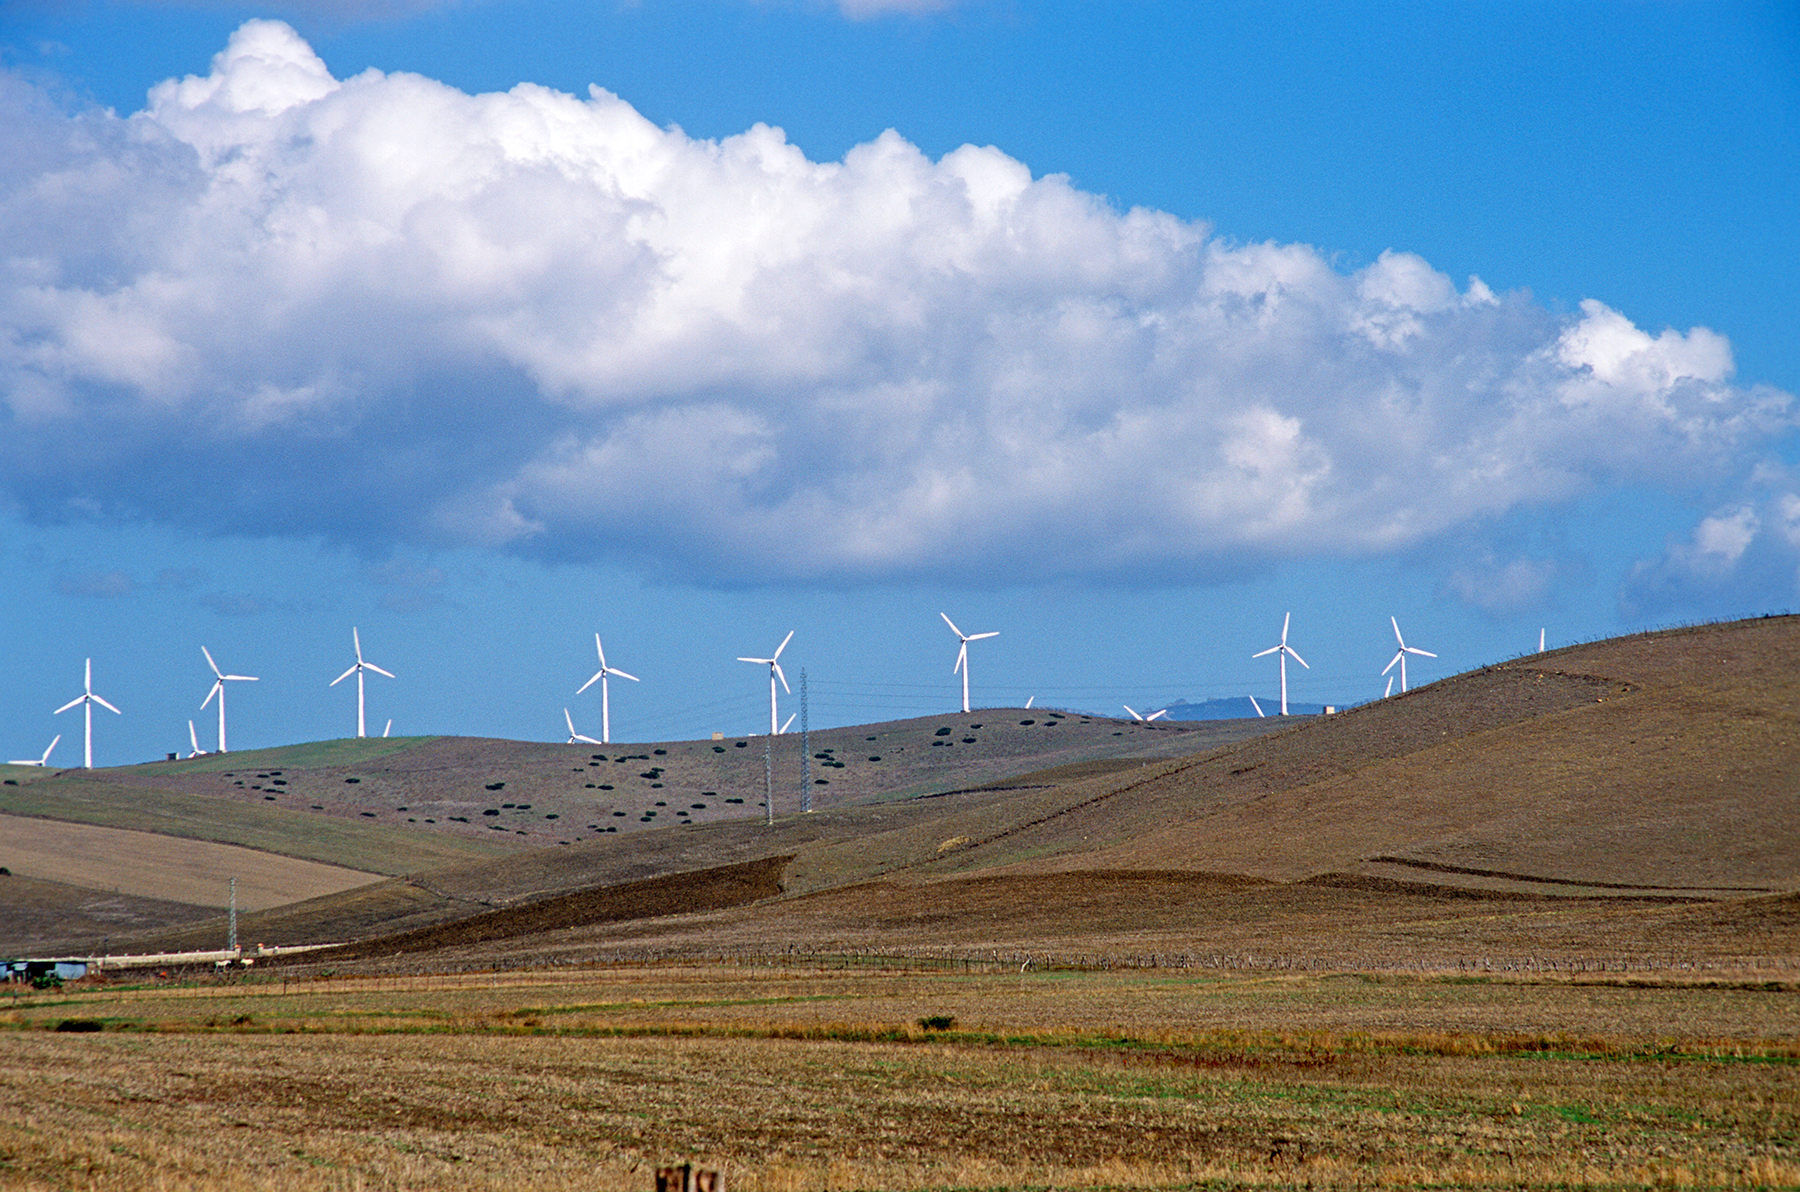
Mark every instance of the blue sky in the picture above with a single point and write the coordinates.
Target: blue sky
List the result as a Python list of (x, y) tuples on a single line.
[(1121, 329)]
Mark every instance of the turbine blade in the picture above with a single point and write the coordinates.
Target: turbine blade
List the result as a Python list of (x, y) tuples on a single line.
[(782, 677), (52, 746), (590, 682), (1265, 653), (600, 650), (241, 678), (784, 642), (343, 676), (568, 721), (1398, 654), (209, 659), (1157, 714), (1294, 654), (377, 669), (217, 685), (1257, 706), (764, 661), (1285, 618), (1416, 650), (578, 737), (71, 704), (1396, 625), (975, 637), (952, 624), (789, 721), (621, 674), (107, 706), (962, 657), (389, 728), (356, 638), (1129, 708), (193, 738), (1390, 686)]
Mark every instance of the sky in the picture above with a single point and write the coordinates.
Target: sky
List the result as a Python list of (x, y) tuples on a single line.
[(1122, 330)]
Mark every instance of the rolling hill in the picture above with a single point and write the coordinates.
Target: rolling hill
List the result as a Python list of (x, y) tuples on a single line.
[(1633, 797)]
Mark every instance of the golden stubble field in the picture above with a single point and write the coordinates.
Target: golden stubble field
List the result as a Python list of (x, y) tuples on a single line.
[(829, 1078)]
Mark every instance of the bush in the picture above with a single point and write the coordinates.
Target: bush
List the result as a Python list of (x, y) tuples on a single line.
[(80, 1025), (937, 1022), (942, 732), (496, 786)]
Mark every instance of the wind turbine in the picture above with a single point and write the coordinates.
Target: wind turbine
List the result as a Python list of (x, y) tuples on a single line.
[(1401, 653), (218, 689), (42, 761), (962, 655), (575, 736), (1284, 650), (775, 673), (1145, 719), (358, 670), (605, 700), (88, 699)]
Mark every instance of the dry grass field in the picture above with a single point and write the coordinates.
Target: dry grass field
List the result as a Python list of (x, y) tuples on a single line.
[(1535, 926), (872, 1076)]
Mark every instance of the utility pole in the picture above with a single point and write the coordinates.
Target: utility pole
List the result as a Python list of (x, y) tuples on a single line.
[(769, 780), (231, 944), (805, 749)]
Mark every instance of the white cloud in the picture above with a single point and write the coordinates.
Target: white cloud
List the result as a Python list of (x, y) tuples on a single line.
[(1740, 558), (538, 321)]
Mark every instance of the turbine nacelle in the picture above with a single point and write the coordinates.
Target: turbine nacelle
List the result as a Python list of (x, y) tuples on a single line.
[(357, 668), (42, 761), (1400, 657), (962, 654), (574, 736), (1284, 652), (773, 662), (220, 678), (605, 697), (86, 700)]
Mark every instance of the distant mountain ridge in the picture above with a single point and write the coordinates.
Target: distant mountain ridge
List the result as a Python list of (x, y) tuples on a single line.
[(1238, 708)]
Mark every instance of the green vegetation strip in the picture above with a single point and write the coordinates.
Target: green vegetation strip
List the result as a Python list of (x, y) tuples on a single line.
[(1218, 1047)]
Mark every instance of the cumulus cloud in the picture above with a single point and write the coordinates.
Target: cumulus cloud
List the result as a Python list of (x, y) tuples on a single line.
[(1744, 555), (385, 312)]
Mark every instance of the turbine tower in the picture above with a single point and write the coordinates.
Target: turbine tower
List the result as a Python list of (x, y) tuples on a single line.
[(775, 673), (42, 761), (88, 699), (357, 670), (962, 655), (605, 700), (575, 736), (1285, 651), (1401, 653), (218, 689)]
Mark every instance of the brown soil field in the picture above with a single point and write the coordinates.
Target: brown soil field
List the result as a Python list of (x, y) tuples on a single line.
[(791, 1078), (146, 865)]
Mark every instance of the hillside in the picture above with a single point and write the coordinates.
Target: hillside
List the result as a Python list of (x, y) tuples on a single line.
[(1635, 796), (442, 806)]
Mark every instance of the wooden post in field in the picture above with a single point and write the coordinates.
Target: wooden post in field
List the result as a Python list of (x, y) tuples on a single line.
[(687, 1179)]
